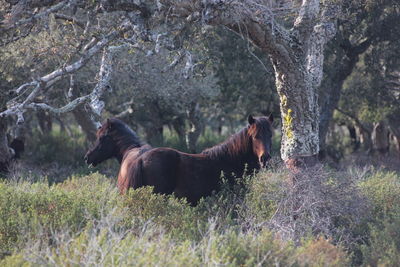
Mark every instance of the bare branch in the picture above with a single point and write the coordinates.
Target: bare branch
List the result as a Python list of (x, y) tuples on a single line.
[(70, 19), (21, 22), (16, 108)]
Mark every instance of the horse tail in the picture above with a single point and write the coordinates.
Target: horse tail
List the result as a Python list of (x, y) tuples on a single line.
[(137, 174)]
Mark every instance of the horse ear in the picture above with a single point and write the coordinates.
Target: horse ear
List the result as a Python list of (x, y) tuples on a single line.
[(271, 118), (251, 119)]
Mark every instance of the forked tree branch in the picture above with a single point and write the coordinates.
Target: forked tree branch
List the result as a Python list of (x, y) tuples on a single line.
[(18, 108)]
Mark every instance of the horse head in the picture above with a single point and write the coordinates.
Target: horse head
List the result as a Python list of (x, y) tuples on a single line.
[(260, 133), (104, 146)]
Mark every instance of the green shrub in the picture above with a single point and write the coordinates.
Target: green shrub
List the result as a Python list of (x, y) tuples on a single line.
[(174, 215), (383, 190), (383, 245), (84, 221), (380, 229), (321, 252), (265, 192), (34, 210)]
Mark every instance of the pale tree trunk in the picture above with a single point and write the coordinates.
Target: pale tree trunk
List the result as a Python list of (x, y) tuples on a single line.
[(298, 76), (380, 138), (196, 127), (397, 140), (299, 111), (394, 127), (365, 138)]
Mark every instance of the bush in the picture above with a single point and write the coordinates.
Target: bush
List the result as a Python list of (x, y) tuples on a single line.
[(383, 190), (100, 244), (321, 252), (29, 211), (174, 215), (319, 202), (326, 219), (381, 230), (383, 244)]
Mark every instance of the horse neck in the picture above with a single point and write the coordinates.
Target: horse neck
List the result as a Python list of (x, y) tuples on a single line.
[(235, 152), (126, 144)]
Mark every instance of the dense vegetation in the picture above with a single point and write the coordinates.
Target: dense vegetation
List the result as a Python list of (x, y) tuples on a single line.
[(341, 218)]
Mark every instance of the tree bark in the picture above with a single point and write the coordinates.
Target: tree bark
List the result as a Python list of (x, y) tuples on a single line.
[(380, 138), (365, 138), (299, 111), (6, 153), (353, 137), (394, 127), (196, 127)]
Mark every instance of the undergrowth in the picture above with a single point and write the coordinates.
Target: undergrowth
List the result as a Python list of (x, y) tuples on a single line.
[(327, 218)]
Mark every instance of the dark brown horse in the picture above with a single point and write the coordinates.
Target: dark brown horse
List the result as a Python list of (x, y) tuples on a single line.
[(115, 140), (186, 175)]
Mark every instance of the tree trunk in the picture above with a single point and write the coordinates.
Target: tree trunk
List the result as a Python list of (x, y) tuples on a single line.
[(346, 57), (83, 114), (353, 137), (85, 121), (397, 140), (299, 111), (330, 97), (298, 65), (380, 138), (178, 124), (365, 138), (394, 126), (45, 121), (6, 153), (196, 127)]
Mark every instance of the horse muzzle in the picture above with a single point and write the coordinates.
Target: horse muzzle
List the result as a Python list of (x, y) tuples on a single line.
[(89, 162), (263, 160)]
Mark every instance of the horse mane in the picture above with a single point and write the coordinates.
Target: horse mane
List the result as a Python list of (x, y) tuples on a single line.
[(235, 145), (123, 135)]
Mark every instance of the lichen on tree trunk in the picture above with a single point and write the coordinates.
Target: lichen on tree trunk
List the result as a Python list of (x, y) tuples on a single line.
[(299, 111)]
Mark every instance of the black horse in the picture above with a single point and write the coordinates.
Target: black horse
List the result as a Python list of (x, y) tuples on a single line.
[(115, 140), (191, 176)]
